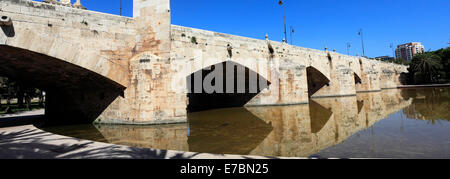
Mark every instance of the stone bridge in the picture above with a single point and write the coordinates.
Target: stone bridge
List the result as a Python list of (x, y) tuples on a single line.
[(113, 69)]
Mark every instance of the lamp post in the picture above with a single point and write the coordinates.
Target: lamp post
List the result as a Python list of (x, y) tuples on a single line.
[(348, 48), (362, 41), (281, 3), (292, 32), (393, 53), (120, 7)]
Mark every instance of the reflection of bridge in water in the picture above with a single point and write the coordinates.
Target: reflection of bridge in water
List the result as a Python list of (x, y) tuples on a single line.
[(298, 130), (305, 130)]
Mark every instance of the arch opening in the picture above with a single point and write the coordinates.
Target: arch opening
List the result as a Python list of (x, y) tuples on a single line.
[(223, 85), (357, 79), (74, 95), (316, 80)]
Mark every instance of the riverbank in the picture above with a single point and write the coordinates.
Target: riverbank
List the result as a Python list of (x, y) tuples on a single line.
[(19, 139)]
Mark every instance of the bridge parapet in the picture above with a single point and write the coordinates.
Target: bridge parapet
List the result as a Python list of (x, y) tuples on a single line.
[(77, 4)]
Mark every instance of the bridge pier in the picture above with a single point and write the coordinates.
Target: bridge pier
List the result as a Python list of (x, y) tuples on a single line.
[(341, 78), (370, 80)]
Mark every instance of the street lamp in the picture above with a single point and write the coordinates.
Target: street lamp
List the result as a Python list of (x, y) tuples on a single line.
[(348, 48), (362, 41), (281, 3), (393, 53), (292, 31), (120, 7)]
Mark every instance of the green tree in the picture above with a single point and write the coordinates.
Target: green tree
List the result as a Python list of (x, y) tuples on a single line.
[(425, 68), (7, 91), (10, 89), (444, 54)]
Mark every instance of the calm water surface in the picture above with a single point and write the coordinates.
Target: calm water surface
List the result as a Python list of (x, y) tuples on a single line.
[(409, 123)]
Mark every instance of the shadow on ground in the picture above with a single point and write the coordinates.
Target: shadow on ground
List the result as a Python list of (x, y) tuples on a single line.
[(36, 144)]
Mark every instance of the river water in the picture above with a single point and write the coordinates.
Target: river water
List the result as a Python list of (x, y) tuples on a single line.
[(395, 123)]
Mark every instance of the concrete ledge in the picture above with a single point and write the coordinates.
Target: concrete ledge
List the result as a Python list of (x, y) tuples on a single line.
[(284, 104), (156, 122), (333, 96), (369, 91), (424, 86)]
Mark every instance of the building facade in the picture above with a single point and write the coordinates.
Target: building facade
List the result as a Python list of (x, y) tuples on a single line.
[(407, 51)]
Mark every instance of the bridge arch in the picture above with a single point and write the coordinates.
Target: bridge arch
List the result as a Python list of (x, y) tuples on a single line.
[(358, 79), (75, 51), (323, 63), (74, 94), (316, 80), (223, 85)]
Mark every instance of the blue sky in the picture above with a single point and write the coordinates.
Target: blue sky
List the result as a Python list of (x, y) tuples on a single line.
[(317, 23)]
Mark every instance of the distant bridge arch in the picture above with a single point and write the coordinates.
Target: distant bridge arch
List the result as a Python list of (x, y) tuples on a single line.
[(234, 86)]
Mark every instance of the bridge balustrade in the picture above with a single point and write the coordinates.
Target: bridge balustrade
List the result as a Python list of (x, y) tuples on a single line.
[(77, 4)]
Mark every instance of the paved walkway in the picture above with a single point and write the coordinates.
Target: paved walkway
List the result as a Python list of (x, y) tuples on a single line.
[(24, 141)]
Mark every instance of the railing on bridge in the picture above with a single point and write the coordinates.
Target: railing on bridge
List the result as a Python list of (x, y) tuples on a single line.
[(77, 4)]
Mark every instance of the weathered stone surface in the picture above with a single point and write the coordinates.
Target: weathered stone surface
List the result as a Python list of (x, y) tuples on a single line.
[(148, 60)]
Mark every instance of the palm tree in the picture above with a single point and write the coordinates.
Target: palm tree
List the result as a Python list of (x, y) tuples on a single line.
[(426, 67)]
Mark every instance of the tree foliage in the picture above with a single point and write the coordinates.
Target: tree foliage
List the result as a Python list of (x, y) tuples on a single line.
[(430, 67), (445, 56), (10, 89)]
